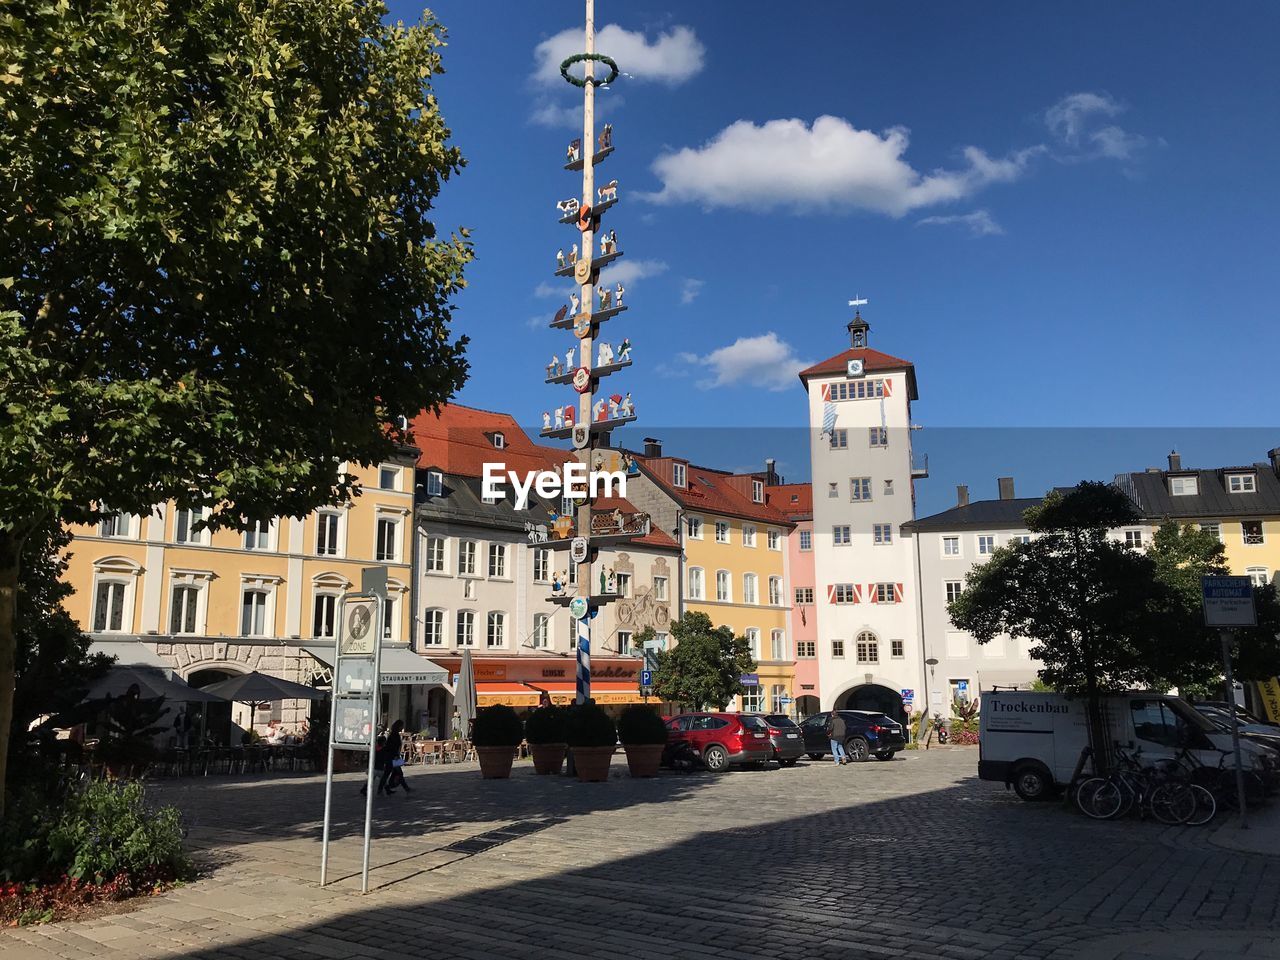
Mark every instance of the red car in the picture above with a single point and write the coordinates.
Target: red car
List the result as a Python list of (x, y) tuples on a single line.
[(721, 739)]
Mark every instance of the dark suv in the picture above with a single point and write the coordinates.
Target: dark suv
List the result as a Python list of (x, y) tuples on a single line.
[(866, 734)]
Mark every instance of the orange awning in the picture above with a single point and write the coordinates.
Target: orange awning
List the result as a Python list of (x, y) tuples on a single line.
[(562, 692)]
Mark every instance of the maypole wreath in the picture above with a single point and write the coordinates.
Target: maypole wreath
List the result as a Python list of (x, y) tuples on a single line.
[(598, 58)]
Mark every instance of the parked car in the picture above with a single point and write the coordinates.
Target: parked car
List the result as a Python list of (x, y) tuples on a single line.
[(784, 734), (1251, 727), (866, 734), (721, 739)]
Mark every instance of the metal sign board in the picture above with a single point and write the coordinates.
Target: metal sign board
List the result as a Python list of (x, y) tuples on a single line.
[(359, 620), (907, 693), (373, 580), (1228, 602), (581, 436), (578, 550), (749, 679), (646, 678)]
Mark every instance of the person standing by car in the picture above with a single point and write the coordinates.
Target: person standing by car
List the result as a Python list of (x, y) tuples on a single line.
[(835, 733)]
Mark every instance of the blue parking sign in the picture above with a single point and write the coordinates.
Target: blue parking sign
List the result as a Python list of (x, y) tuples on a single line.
[(646, 678)]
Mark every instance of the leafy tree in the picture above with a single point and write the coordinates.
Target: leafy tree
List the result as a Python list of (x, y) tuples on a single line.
[(703, 665), (218, 277)]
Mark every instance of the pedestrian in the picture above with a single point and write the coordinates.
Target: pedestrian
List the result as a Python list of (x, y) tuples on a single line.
[(835, 733), (545, 699), (379, 762), (393, 762)]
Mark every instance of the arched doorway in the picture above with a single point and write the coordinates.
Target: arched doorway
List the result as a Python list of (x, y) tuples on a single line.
[(873, 696), (224, 722), (807, 706)]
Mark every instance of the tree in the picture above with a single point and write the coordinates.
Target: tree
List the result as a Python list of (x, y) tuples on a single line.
[(1093, 608), (219, 281), (704, 664)]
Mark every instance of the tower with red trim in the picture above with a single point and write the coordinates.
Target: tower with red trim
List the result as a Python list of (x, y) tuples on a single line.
[(863, 471)]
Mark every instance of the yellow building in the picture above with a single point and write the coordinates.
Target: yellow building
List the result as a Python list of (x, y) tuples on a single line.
[(734, 563), (214, 604)]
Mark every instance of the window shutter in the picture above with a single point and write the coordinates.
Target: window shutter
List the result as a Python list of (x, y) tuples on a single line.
[(826, 391), (872, 594), (897, 593), (857, 593), (888, 387), (831, 593)]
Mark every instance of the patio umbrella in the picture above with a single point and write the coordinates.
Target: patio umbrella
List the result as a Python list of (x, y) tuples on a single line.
[(256, 689), (151, 682), (464, 695)]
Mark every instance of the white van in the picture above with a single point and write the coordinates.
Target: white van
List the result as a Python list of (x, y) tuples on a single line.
[(1033, 740)]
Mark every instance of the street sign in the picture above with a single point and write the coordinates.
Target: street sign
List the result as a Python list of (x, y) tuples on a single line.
[(907, 693), (646, 678), (578, 607), (1228, 602), (786, 701), (749, 679)]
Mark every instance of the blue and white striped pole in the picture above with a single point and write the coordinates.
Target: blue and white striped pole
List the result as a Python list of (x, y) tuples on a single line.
[(584, 660)]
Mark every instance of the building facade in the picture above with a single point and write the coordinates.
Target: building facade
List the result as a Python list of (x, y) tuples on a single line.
[(795, 501)]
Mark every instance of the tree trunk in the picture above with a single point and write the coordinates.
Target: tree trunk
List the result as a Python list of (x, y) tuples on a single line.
[(10, 554)]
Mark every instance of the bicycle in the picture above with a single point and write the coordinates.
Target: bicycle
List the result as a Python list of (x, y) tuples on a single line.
[(1131, 786)]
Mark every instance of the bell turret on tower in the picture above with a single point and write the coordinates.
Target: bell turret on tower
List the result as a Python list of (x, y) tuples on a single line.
[(857, 327)]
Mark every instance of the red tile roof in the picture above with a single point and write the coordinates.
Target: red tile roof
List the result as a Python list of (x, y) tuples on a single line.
[(713, 491), (793, 499), (872, 361), (458, 441), (654, 538)]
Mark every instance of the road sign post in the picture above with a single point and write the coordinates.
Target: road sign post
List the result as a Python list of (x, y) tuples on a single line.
[(1228, 603)]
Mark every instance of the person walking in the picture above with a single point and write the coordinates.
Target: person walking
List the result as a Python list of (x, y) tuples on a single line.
[(835, 733), (393, 762)]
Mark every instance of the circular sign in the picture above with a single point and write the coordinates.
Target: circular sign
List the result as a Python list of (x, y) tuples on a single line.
[(853, 368), (578, 549), (582, 379), (578, 607), (359, 622), (582, 326), (582, 270)]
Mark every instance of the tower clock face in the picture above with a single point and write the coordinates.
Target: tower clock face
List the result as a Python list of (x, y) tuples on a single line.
[(853, 368)]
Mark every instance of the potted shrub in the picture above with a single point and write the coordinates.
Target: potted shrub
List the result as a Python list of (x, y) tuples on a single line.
[(496, 733), (545, 731), (644, 737), (593, 737)]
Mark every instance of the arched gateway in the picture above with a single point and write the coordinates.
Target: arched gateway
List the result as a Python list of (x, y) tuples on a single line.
[(873, 696)]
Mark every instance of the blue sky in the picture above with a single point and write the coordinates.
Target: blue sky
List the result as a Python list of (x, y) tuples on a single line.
[(1065, 216)]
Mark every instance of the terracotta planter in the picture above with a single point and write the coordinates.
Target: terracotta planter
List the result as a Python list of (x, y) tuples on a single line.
[(592, 763), (495, 762), (547, 757), (643, 759)]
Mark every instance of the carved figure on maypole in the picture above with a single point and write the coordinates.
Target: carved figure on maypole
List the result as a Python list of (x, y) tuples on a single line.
[(608, 192), (618, 291), (605, 139), (606, 355), (574, 151), (624, 351)]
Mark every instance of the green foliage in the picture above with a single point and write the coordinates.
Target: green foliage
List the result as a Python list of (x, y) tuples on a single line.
[(546, 725), (964, 716), (1039, 686), (131, 725), (703, 666), (590, 726), (640, 725), (497, 726)]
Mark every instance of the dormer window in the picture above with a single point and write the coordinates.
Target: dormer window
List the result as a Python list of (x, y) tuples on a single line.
[(1183, 486), (435, 483), (757, 491), (1242, 483), (499, 441), (678, 474)]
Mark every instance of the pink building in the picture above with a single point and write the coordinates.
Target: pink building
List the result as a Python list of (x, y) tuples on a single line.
[(795, 500)]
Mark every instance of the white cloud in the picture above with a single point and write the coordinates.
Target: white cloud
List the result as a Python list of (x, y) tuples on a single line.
[(537, 323), (979, 223), (690, 288), (763, 361), (671, 58), (1073, 121), (827, 165), (628, 272), (545, 289), (1067, 118), (548, 114)]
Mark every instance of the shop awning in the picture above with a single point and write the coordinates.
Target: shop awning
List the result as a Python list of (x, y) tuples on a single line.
[(400, 665), (129, 653), (562, 692)]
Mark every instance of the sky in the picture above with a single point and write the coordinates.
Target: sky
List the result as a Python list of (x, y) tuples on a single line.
[(1065, 215)]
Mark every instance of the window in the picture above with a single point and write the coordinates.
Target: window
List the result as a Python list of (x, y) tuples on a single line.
[(499, 441), (752, 699), (466, 558), (879, 436), (833, 490), (777, 645), (986, 544), (867, 648), (1133, 539), (660, 588), (433, 629), (804, 595), (887, 593), (624, 641), (466, 634), (840, 536), (839, 439), (777, 693), (1213, 529), (389, 619), (184, 522), (114, 525), (806, 649), (1183, 486), (882, 533), (724, 590), (498, 560), (568, 506), (325, 621), (1242, 483), (258, 536), (753, 642), (623, 582), (775, 540), (748, 535), (388, 540), (108, 606), (844, 593), (859, 488), (573, 574), (722, 532), (757, 491), (253, 613), (697, 584), (389, 478), (677, 474), (327, 534), (837, 649), (435, 483), (750, 583), (695, 528), (857, 390), (954, 589), (806, 540), (896, 649), (469, 588), (541, 565), (1258, 575), (775, 591), (182, 609), (951, 546), (541, 631), (435, 555), (1251, 530), (496, 634), (1020, 538)]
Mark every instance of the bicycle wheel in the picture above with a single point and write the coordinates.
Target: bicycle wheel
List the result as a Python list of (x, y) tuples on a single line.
[(1100, 798), (1206, 806), (1172, 803)]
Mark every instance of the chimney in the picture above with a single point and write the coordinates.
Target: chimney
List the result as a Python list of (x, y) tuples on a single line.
[(962, 496), (1006, 487), (770, 474), (652, 447), (1175, 461), (1274, 456)]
